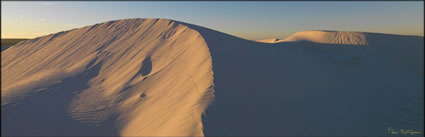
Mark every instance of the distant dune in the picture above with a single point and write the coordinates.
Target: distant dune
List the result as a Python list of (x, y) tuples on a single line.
[(159, 77), (324, 37), (329, 37)]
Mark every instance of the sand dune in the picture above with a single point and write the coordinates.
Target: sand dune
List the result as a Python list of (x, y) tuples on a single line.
[(142, 76), (156, 77)]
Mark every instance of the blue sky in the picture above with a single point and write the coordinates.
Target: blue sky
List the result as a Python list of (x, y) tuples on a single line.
[(250, 20)]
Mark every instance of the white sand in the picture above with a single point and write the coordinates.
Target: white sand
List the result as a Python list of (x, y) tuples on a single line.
[(154, 77)]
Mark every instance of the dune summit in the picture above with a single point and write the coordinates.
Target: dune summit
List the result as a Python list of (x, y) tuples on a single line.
[(157, 77)]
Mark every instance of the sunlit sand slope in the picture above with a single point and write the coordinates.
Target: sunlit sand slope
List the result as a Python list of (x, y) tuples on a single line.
[(140, 77)]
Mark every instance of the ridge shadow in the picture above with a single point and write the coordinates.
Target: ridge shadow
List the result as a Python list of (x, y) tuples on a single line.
[(312, 89)]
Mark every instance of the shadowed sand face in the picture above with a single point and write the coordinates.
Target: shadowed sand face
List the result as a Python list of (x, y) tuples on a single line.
[(313, 89)]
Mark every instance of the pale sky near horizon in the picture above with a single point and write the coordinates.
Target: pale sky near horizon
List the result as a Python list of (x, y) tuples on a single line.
[(250, 20)]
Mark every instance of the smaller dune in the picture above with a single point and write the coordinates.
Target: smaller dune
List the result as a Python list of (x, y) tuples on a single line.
[(329, 37)]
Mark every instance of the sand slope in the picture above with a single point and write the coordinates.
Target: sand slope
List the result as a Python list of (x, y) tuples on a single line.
[(146, 77), (140, 77)]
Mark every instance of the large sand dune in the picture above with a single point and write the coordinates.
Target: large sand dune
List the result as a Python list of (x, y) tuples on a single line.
[(156, 77)]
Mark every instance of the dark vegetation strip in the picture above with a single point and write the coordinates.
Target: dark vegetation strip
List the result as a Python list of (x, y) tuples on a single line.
[(10, 42)]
